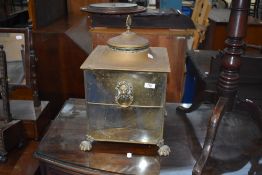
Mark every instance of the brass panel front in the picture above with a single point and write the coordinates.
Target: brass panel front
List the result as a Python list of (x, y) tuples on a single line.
[(148, 89), (131, 125)]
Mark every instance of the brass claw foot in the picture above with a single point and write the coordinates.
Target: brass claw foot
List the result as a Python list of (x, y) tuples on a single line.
[(164, 150), (86, 145)]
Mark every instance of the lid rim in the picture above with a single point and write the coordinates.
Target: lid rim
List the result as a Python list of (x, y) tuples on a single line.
[(128, 41), (128, 48)]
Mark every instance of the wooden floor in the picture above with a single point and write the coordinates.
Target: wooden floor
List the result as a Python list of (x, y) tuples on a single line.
[(21, 161)]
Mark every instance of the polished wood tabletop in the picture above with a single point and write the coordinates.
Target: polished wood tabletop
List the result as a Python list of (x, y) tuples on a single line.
[(237, 149)]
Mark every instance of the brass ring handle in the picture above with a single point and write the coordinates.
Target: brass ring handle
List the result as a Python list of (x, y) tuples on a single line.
[(124, 94)]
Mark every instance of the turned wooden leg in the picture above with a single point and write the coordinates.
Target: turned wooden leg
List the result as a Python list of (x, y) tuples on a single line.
[(210, 136)]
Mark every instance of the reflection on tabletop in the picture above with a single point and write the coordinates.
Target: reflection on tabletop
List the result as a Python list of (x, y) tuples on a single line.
[(237, 149)]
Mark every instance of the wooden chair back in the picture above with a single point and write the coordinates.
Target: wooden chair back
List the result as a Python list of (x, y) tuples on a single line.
[(200, 19)]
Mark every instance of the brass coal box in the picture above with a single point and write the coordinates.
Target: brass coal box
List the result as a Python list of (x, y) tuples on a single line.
[(125, 90)]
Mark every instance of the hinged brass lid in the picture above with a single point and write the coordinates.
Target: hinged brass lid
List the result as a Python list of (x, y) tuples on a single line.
[(153, 60), (128, 41), (129, 52)]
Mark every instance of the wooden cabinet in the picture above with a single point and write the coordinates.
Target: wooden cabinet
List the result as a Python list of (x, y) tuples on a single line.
[(61, 48)]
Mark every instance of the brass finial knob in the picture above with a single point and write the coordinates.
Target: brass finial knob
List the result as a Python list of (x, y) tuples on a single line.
[(128, 22)]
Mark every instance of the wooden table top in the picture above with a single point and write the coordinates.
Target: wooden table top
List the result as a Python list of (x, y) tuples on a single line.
[(237, 145)]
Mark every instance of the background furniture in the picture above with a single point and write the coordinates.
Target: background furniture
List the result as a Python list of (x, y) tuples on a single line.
[(227, 101), (217, 30), (255, 9), (61, 43), (204, 68), (59, 151), (200, 19), (13, 13), (11, 133), (44, 12), (61, 48), (24, 102)]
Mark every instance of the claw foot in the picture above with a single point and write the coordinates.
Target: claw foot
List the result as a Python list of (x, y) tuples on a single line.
[(164, 150), (85, 145)]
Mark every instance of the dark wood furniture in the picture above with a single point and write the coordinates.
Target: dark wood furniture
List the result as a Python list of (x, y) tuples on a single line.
[(20, 161), (236, 145), (256, 9), (13, 14), (204, 68), (25, 104), (11, 133), (45, 12), (62, 43), (226, 99), (61, 48), (217, 30)]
